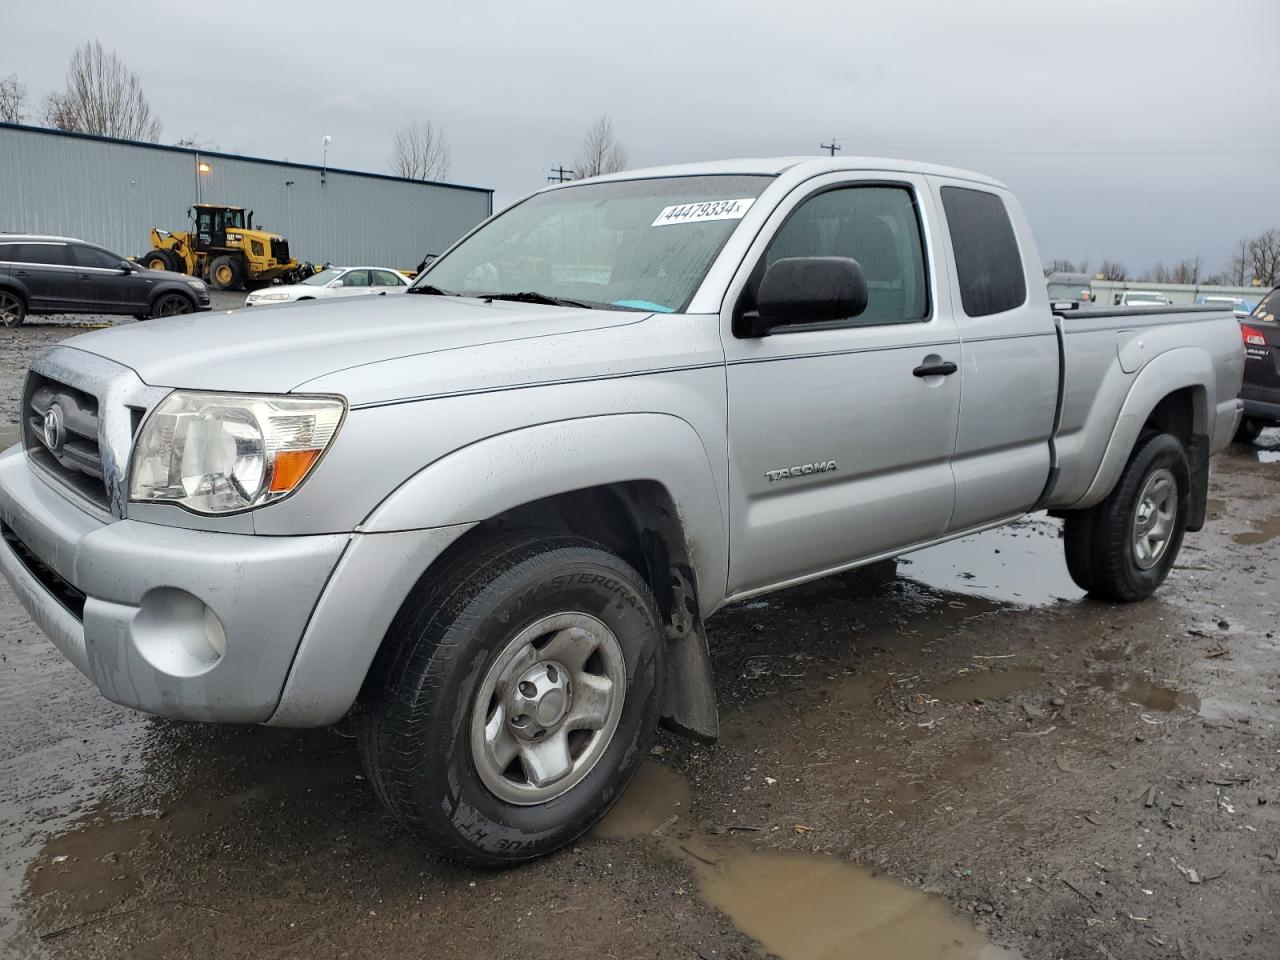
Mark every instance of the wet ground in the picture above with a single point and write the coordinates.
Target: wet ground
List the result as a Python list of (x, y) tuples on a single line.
[(968, 761)]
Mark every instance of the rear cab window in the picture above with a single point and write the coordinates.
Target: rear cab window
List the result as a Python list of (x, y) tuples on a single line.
[(988, 261), (1268, 311)]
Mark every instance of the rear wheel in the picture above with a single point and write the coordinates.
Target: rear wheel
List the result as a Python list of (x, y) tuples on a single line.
[(1123, 548), (514, 697), (1248, 430), (160, 260), (171, 305), (226, 273), (12, 310)]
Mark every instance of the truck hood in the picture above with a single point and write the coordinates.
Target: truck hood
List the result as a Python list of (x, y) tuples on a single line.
[(279, 349)]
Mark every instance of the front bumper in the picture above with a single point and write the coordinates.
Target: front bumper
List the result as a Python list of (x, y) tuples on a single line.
[(126, 601)]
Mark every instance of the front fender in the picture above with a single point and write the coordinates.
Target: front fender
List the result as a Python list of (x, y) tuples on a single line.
[(1173, 370), (491, 476)]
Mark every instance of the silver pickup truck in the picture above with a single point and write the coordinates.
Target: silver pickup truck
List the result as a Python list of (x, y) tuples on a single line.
[(488, 520)]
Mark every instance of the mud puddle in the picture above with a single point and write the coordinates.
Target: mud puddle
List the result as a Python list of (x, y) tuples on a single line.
[(987, 685), (1263, 531), (1021, 563), (799, 906), (1143, 692)]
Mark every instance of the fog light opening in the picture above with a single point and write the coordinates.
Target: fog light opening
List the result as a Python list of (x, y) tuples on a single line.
[(177, 633)]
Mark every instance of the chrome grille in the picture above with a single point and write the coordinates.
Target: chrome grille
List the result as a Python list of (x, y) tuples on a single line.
[(61, 434)]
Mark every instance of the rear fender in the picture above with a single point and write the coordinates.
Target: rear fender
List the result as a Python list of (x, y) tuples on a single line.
[(1167, 373)]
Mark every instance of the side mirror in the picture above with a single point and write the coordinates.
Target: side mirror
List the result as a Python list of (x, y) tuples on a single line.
[(797, 290), (336, 284), (128, 266)]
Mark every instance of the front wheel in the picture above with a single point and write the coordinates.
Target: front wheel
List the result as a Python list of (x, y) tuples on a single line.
[(514, 697), (1123, 548), (226, 273), (171, 305)]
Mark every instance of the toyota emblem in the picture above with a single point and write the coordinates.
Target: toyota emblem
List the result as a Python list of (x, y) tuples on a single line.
[(55, 432)]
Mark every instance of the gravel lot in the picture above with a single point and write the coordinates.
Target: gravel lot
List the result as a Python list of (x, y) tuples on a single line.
[(969, 760)]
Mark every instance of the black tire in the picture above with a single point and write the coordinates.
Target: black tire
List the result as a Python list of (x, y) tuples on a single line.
[(1248, 431), (161, 260), (13, 309), (226, 273), (171, 305), (416, 711), (1101, 543)]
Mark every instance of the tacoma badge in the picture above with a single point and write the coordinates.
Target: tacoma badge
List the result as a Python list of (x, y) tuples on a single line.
[(803, 470)]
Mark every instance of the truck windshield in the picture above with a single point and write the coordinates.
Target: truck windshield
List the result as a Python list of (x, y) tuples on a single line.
[(624, 245)]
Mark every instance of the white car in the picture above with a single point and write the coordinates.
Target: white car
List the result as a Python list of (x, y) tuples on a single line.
[(334, 282), (1142, 298)]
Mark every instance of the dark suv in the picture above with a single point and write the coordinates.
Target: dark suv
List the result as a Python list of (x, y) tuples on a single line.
[(62, 275), (1261, 389)]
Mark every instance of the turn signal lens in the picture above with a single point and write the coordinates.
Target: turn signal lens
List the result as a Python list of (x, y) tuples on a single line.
[(291, 466)]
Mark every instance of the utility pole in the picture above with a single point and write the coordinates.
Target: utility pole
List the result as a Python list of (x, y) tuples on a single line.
[(560, 175), (832, 146)]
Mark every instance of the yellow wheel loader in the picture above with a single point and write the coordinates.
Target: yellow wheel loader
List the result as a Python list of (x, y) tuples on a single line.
[(223, 248)]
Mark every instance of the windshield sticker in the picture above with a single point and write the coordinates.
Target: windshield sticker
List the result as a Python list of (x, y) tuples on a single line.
[(708, 210)]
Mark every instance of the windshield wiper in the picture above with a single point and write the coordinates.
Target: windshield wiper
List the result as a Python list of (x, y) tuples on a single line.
[(532, 296), (428, 290)]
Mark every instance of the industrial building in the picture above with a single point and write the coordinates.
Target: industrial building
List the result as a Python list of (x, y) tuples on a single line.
[(112, 192)]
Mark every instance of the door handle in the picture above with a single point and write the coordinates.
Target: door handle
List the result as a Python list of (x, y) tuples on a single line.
[(943, 369), (20, 273)]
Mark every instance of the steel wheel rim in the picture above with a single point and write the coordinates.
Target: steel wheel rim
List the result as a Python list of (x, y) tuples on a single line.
[(224, 275), (548, 708), (10, 313), (1153, 520)]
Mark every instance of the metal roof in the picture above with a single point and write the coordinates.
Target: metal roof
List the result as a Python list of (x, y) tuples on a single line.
[(195, 152)]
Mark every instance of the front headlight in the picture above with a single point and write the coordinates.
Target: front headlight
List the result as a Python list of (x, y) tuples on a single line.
[(196, 284), (268, 296), (220, 453)]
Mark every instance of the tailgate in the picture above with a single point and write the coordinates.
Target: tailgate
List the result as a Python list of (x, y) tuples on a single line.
[(1261, 332)]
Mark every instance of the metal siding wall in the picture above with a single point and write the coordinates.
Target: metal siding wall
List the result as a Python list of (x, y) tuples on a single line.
[(114, 193)]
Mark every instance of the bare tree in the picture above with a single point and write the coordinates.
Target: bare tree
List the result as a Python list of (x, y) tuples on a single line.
[(420, 152), (1061, 266), (1112, 270), (1238, 268), (1264, 257), (103, 96), (13, 99), (600, 152), (1186, 271)]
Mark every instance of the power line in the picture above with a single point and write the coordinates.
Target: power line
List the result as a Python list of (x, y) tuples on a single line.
[(832, 146), (560, 175)]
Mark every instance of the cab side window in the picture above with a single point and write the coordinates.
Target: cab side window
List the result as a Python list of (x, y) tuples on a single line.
[(355, 278), (878, 226), (385, 278), (988, 263)]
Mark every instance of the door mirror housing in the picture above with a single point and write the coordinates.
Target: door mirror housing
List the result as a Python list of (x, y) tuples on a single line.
[(128, 266), (336, 284), (800, 290)]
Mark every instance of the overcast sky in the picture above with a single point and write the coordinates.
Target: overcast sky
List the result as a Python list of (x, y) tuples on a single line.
[(1139, 130)]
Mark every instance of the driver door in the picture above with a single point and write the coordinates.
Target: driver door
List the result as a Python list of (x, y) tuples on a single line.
[(840, 450)]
